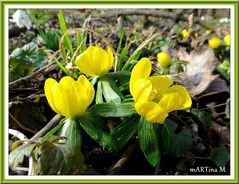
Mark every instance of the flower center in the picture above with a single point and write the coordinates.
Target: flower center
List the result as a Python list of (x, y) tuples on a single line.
[(155, 95)]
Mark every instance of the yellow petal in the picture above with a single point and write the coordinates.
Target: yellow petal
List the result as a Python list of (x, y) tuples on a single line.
[(151, 111), (68, 103), (214, 42), (88, 87), (110, 58), (101, 61), (227, 39), (74, 101), (185, 33), (49, 87), (141, 90), (95, 61), (141, 70), (175, 98), (160, 83), (84, 64), (66, 82)]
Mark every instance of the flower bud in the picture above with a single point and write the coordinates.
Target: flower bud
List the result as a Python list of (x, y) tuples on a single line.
[(164, 59), (214, 42), (185, 33), (227, 39)]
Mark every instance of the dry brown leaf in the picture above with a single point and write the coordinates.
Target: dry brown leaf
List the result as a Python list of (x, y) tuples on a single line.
[(219, 134), (198, 73)]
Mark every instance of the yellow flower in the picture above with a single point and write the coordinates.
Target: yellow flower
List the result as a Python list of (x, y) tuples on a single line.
[(95, 61), (69, 98), (185, 33), (196, 34), (156, 96), (163, 59), (214, 42), (207, 32), (227, 40)]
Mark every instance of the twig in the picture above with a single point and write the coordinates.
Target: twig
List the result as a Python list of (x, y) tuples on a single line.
[(20, 125), (116, 169), (142, 13), (25, 169), (29, 77), (46, 128), (39, 94), (222, 132), (176, 116), (199, 158), (10, 104), (17, 134), (218, 105)]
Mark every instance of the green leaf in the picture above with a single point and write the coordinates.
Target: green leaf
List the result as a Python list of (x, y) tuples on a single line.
[(54, 130), (136, 54), (203, 116), (174, 143), (121, 36), (60, 159), (183, 166), (121, 76), (71, 131), (40, 16), (122, 56), (84, 34), (166, 139), (78, 40), (29, 53), (113, 110), (125, 130), (148, 139), (224, 69), (172, 126), (49, 38), (19, 68), (121, 33), (97, 130), (99, 93), (16, 144), (220, 156), (67, 40), (128, 100), (181, 143), (61, 66), (17, 155), (110, 90)]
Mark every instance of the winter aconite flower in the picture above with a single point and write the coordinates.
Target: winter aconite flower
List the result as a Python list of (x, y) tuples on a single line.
[(95, 61), (214, 42), (156, 96), (208, 32), (69, 98), (185, 33), (227, 40), (163, 59)]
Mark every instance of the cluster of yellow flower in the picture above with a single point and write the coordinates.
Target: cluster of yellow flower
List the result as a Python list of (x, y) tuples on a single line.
[(215, 42), (154, 96)]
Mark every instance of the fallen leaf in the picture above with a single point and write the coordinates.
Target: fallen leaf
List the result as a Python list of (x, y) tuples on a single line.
[(198, 73)]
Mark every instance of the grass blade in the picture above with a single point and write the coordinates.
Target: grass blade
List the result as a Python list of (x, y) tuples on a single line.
[(67, 40)]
